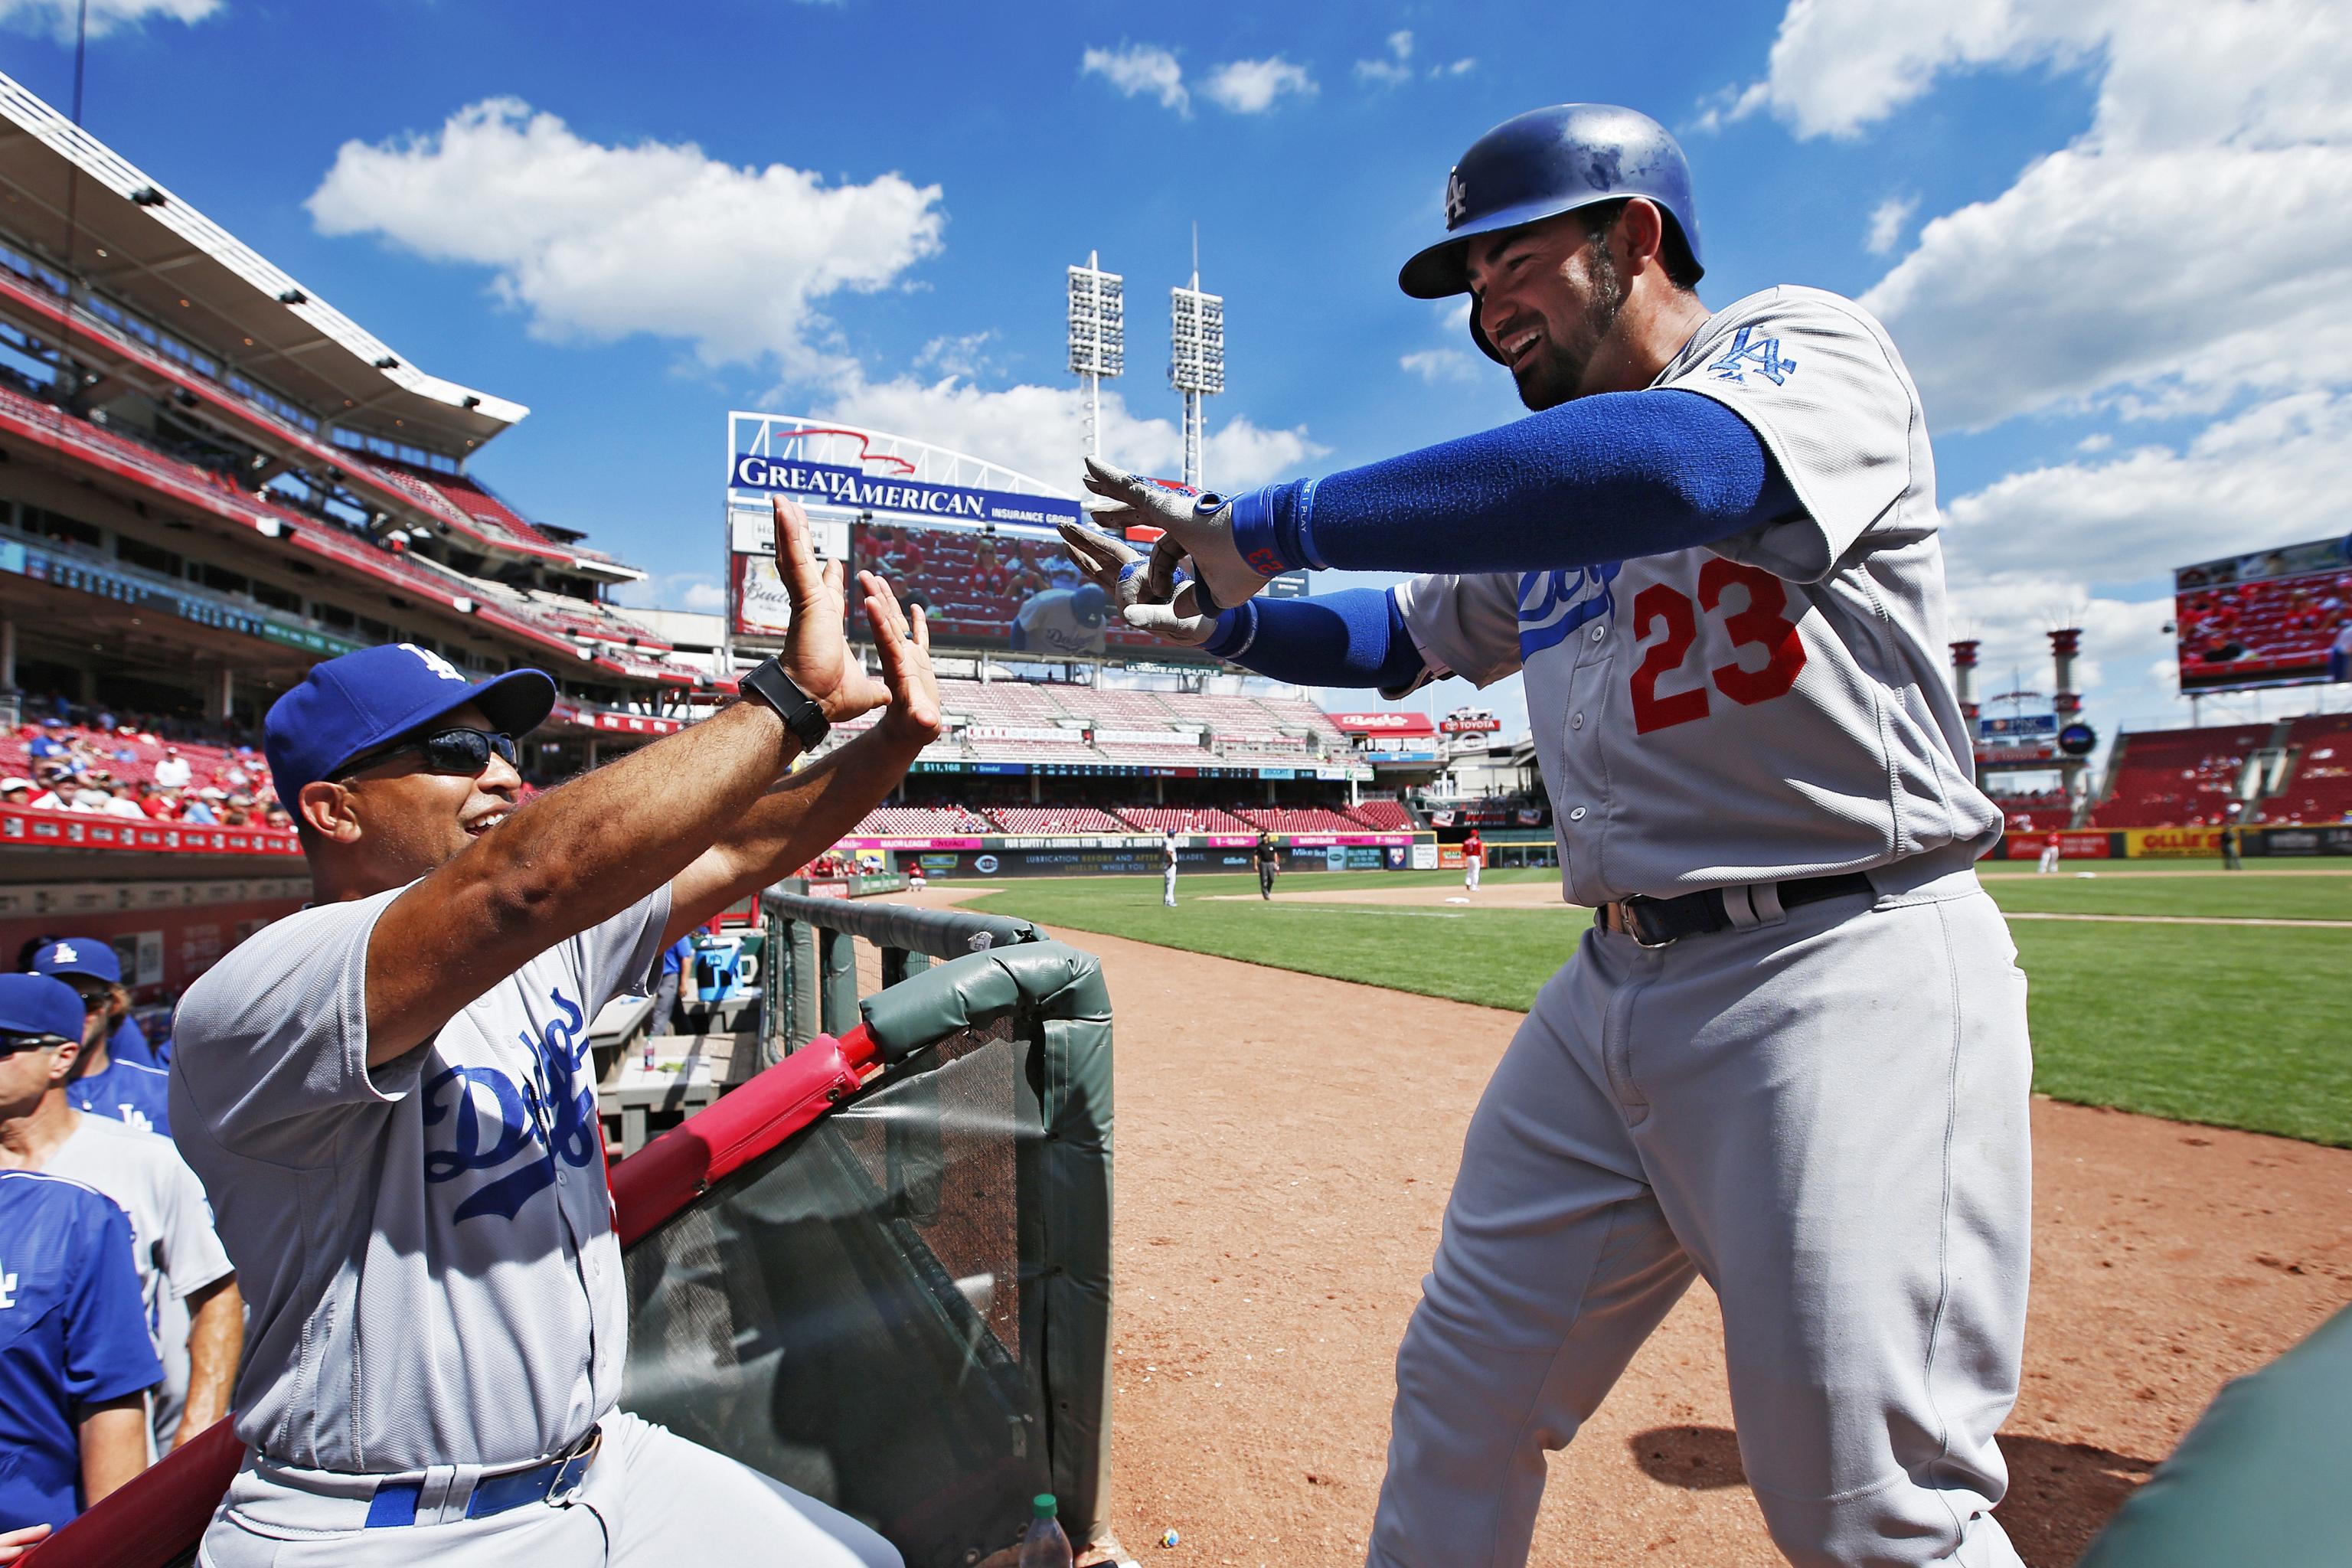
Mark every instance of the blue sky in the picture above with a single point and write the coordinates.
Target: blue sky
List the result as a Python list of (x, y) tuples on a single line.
[(2112, 236)]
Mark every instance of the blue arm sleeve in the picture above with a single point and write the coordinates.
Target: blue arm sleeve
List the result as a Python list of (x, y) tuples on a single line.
[(1602, 479), (1356, 637)]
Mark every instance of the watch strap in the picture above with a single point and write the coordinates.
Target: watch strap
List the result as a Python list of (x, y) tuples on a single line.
[(803, 715)]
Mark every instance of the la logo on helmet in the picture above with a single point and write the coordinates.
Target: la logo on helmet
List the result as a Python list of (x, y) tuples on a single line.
[(1458, 199)]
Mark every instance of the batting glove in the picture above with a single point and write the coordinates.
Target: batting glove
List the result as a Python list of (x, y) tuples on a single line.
[(1200, 529), (1117, 568)]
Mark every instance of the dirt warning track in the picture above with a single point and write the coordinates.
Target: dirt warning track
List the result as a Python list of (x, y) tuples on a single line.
[(1284, 1146)]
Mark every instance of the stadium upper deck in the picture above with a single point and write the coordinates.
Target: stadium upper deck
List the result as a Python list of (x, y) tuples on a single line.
[(212, 478)]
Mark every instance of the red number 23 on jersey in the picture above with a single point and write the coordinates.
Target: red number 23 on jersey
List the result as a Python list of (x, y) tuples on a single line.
[(1761, 621)]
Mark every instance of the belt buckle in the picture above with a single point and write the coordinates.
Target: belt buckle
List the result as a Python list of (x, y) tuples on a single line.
[(572, 1478), (1629, 922)]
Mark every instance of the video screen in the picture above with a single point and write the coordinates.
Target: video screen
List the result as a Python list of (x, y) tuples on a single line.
[(1013, 591), (2274, 617)]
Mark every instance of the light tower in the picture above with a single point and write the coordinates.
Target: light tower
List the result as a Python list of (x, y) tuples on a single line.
[(1196, 362), (1097, 336)]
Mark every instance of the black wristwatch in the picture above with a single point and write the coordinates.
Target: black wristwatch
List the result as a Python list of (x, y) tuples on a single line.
[(802, 714)]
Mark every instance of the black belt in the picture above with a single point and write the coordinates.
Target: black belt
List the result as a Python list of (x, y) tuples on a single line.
[(1654, 922)]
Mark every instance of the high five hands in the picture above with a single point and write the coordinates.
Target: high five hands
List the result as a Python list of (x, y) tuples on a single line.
[(1147, 590), (816, 650)]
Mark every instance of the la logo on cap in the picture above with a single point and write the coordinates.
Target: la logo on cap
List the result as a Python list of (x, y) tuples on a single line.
[(64, 953), (436, 663)]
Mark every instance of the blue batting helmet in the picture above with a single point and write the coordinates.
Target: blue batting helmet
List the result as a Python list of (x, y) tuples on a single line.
[(1545, 163)]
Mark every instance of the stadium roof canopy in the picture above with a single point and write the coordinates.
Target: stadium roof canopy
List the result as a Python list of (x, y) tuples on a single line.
[(93, 216)]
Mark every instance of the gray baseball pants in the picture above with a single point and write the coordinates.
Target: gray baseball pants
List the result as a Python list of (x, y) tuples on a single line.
[(651, 1498), (1826, 1118)]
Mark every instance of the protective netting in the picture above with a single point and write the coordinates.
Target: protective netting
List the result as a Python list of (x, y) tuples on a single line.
[(846, 1314)]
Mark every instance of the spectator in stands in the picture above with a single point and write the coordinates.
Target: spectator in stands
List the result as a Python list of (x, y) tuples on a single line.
[(194, 1316), (172, 771), (197, 810), (127, 1087), (76, 1361), (54, 781), (1167, 867), (15, 792), (160, 804)]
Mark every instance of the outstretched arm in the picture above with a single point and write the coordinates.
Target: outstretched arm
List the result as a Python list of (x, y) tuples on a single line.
[(581, 854), (1602, 478), (1355, 637)]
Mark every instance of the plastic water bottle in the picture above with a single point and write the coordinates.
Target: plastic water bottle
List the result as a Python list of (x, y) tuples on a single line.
[(1045, 1546)]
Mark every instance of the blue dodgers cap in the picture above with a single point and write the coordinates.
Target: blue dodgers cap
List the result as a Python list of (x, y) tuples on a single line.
[(347, 707), (36, 1005), (88, 955), (1548, 162)]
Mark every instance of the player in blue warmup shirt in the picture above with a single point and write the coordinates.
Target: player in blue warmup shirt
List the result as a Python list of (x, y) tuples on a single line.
[(107, 1085), (75, 1358)]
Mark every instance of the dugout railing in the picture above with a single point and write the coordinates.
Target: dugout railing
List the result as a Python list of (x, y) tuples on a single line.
[(880, 1271)]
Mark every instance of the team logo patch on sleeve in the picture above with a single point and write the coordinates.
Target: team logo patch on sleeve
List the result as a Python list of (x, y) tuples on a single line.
[(1749, 353)]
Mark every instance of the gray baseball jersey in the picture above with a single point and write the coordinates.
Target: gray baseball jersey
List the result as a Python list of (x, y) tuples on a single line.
[(1774, 705), (172, 1237), (427, 1247)]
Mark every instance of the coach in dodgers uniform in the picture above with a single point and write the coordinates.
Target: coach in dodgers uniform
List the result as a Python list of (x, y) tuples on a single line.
[(387, 1095), (1791, 1055)]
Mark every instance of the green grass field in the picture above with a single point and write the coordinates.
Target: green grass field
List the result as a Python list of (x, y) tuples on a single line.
[(2238, 1026)]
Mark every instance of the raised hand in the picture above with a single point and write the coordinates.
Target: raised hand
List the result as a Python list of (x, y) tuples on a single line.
[(903, 644), (1116, 567), (1202, 530), (816, 648)]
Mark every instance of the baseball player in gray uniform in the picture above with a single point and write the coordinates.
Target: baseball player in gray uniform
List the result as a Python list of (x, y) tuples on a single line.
[(1790, 1055), (388, 1096)]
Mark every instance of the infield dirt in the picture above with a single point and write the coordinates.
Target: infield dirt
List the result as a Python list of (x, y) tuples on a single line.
[(1284, 1146)]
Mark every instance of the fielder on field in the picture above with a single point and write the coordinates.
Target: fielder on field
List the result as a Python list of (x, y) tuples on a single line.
[(388, 1096), (1790, 1054)]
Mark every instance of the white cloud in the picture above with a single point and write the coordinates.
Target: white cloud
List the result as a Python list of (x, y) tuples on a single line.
[(1887, 221), (57, 17), (1251, 86), (1140, 69), (2100, 275), (598, 242), (1435, 365), (2274, 473), (2106, 535), (1462, 67), (696, 591), (964, 355), (1041, 431), (1396, 69)]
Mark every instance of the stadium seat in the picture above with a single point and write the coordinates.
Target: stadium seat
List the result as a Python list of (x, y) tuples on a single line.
[(2176, 778)]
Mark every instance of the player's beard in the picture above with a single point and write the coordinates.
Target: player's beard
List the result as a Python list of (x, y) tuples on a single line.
[(1555, 372)]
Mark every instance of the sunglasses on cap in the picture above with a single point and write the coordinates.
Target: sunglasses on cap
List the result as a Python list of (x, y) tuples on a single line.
[(458, 750)]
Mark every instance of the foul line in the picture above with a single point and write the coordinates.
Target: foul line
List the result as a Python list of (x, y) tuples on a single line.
[(2174, 919)]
